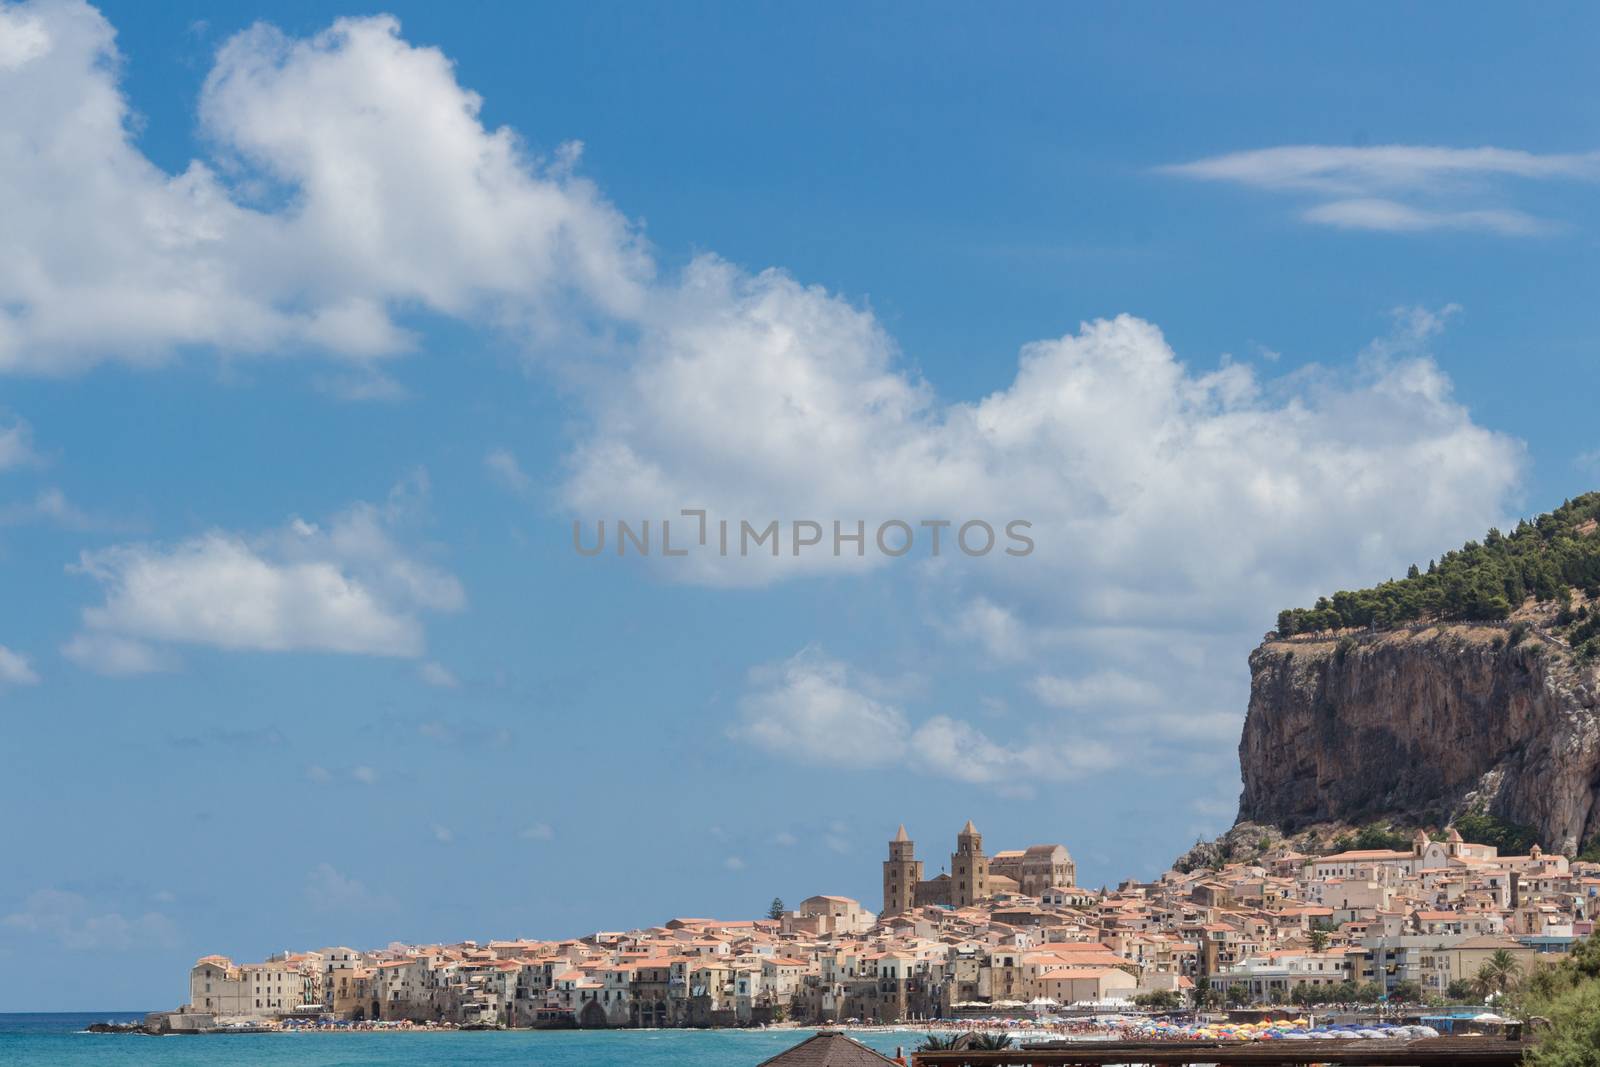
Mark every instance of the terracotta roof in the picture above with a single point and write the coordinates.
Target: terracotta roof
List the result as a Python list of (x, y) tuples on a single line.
[(828, 1049), (1065, 973)]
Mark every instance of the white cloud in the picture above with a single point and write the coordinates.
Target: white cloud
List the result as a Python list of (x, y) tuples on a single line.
[(352, 177), (733, 863), (1094, 690), (50, 506), (23, 38), (1157, 492), (328, 890), (361, 774), (343, 588), (71, 922), (1346, 169), (815, 710), (15, 669), (1156, 489), (959, 750), (115, 655), (751, 394), (997, 631), (1398, 188), (16, 439), (539, 831), (1372, 213), (1167, 499), (503, 465), (808, 709), (443, 834), (437, 674)]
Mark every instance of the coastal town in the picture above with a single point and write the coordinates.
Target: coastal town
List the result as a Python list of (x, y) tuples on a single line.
[(1007, 933)]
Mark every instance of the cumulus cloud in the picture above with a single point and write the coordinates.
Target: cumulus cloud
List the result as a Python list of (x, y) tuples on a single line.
[(539, 831), (352, 176), (814, 709), (344, 587), (1157, 491), (70, 921), (15, 669), (1398, 188)]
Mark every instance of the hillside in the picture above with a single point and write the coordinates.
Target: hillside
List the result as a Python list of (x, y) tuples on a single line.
[(1467, 687), (1543, 560)]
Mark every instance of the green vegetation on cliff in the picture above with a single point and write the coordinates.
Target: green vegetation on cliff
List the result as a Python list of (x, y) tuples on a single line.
[(1545, 559), (1512, 839)]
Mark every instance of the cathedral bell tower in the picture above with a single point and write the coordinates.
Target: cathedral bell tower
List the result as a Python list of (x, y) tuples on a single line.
[(901, 873), (969, 868)]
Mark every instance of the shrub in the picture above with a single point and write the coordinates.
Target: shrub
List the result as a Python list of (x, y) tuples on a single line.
[(1544, 559)]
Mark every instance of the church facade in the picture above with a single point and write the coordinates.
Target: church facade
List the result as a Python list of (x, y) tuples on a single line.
[(973, 875)]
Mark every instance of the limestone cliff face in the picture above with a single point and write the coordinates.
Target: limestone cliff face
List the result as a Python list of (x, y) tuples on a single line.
[(1420, 723)]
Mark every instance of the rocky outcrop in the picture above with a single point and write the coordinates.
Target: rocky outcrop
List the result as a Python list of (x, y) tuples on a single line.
[(1242, 843), (1421, 723)]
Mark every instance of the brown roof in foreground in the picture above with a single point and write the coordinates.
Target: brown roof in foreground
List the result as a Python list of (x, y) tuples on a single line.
[(828, 1049)]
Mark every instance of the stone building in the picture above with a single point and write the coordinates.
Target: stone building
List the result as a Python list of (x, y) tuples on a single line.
[(902, 872), (973, 876), (1036, 869), (969, 869)]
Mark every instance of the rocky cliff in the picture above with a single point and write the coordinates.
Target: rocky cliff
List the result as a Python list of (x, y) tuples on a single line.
[(1420, 723)]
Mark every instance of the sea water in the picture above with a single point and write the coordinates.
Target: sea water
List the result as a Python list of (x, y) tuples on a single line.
[(59, 1041)]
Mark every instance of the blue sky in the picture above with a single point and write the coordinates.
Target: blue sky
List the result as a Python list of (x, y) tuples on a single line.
[(309, 360)]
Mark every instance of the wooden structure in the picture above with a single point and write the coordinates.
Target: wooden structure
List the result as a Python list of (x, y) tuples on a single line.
[(1358, 1052), (829, 1049)]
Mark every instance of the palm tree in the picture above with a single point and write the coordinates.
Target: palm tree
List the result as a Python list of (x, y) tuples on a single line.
[(1319, 939), (988, 1042), (1499, 973), (940, 1042)]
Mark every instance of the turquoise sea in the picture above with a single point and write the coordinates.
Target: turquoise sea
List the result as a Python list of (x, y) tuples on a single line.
[(58, 1040)]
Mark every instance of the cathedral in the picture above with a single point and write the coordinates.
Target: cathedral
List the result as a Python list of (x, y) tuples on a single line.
[(973, 876)]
